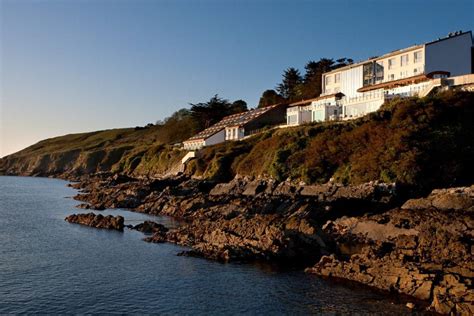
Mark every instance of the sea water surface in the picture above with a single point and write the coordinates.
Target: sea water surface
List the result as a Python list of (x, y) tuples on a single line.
[(50, 266)]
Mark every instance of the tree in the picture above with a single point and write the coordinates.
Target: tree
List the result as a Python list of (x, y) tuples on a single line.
[(288, 88), (176, 128), (313, 77), (208, 113), (238, 106), (312, 82), (270, 97)]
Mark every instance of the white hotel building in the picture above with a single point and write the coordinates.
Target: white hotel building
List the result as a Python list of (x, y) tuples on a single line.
[(357, 89)]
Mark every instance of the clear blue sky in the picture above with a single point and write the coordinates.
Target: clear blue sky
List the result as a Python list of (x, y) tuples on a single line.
[(82, 65)]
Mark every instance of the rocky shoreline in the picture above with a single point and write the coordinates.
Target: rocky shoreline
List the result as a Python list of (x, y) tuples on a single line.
[(422, 248)]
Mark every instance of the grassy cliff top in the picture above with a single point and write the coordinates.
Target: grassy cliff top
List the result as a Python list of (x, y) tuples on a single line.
[(94, 140), (427, 142)]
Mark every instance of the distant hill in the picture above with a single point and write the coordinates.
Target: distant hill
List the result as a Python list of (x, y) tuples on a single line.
[(117, 150), (426, 143)]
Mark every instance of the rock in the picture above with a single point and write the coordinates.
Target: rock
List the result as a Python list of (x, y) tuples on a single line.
[(453, 199), (97, 221), (234, 187), (157, 237), (286, 188), (423, 253), (455, 202), (423, 250), (417, 204), (149, 227), (316, 190), (254, 187)]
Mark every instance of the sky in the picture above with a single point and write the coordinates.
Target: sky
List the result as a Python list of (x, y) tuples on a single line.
[(69, 66)]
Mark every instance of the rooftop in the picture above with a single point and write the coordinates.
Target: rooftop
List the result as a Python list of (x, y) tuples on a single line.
[(238, 119), (303, 102)]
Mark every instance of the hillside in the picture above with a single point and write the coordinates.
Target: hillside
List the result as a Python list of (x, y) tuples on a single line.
[(425, 143), (118, 150)]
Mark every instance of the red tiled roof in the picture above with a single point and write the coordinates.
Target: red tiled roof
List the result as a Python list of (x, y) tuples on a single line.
[(233, 120)]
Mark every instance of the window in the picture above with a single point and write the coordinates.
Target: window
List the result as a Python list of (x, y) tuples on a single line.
[(417, 56), (391, 63), (404, 60), (337, 78), (292, 119), (328, 79), (391, 76), (368, 73), (318, 115), (379, 71)]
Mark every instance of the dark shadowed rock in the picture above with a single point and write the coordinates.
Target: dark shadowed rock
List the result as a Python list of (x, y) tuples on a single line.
[(97, 221), (424, 253), (423, 250), (149, 227)]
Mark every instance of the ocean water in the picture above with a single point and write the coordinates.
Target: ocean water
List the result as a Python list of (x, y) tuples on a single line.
[(50, 266)]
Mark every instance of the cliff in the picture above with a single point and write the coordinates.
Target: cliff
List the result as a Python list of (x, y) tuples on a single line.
[(136, 151), (424, 143)]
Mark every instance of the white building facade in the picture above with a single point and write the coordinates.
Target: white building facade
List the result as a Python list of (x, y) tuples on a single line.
[(324, 108), (363, 87), (406, 72), (206, 140)]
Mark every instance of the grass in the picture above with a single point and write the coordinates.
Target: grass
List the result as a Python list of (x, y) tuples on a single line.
[(424, 143)]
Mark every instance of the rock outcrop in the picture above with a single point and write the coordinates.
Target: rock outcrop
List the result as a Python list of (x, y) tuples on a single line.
[(422, 249), (97, 221), (425, 250), (241, 220), (157, 231)]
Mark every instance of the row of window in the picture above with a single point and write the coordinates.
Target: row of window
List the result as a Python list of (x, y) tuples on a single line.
[(406, 73), (404, 61)]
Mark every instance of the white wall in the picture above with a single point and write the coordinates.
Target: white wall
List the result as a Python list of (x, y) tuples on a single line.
[(217, 138), (194, 144), (362, 108), (301, 115), (351, 80), (451, 54)]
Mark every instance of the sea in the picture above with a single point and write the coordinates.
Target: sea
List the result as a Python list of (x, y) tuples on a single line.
[(49, 266)]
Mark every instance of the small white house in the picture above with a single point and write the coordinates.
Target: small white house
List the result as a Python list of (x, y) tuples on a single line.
[(323, 108), (297, 115), (210, 137), (237, 126)]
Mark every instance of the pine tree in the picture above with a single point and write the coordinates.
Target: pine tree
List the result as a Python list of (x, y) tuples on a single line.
[(288, 88)]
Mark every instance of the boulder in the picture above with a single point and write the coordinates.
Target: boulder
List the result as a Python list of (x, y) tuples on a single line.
[(149, 227), (97, 221)]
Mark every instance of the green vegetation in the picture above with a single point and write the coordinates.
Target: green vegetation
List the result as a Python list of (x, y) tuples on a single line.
[(424, 143), (421, 143), (295, 87)]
